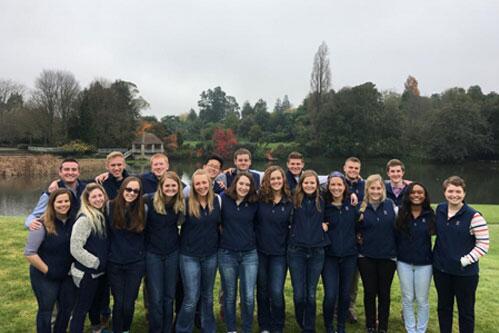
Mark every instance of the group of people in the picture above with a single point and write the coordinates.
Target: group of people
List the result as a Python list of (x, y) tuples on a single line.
[(88, 239)]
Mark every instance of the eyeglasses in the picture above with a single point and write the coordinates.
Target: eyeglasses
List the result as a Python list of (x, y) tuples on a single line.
[(134, 190)]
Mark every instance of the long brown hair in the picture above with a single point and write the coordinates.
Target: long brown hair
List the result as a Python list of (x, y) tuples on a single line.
[(266, 193), (300, 194), (50, 214), (160, 200), (194, 205), (232, 193), (135, 210)]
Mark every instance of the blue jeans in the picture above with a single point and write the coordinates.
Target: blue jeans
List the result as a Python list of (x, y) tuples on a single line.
[(337, 277), (415, 286), (161, 282), (198, 276), (124, 280), (305, 267), (270, 292), (48, 292), (242, 264), (88, 300)]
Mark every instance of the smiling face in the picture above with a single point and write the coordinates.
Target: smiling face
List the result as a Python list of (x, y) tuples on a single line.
[(159, 165), (454, 194), (352, 170), (115, 166), (201, 185), (96, 198), (309, 185), (213, 168), (417, 195), (395, 173), (242, 162), (276, 181), (242, 187), (295, 166), (169, 187), (69, 172), (375, 191), (336, 187), (131, 192), (62, 204)]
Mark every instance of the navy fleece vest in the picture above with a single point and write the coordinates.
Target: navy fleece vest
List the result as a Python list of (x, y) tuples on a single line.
[(357, 187), (54, 250), (112, 185), (378, 231), (161, 230), (414, 246), (454, 241), (391, 195), (99, 247), (306, 227), (272, 227), (342, 225), (238, 225), (292, 182), (199, 236)]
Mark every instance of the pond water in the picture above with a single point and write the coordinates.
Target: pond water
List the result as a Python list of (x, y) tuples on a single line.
[(19, 195)]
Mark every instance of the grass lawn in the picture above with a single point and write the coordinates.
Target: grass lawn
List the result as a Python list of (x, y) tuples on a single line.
[(18, 304)]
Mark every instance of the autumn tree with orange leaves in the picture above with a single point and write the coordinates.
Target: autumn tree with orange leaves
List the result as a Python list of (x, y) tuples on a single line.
[(224, 142)]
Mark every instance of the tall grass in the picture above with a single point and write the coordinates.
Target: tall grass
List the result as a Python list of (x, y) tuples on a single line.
[(18, 305), (40, 165)]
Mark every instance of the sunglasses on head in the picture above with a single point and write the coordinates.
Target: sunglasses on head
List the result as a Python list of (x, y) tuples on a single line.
[(134, 190)]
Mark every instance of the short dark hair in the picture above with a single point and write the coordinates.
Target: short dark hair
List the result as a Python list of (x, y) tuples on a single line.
[(353, 159), (394, 162), (295, 155), (242, 151), (69, 160), (215, 157)]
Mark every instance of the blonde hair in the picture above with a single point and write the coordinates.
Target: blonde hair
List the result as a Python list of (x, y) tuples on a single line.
[(158, 155), (160, 199), (50, 215), (369, 181), (114, 154), (194, 204), (95, 217), (300, 193)]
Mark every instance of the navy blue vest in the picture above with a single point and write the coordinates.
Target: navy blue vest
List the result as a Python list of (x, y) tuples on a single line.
[(54, 250), (378, 231), (454, 241), (199, 236), (292, 183), (342, 229), (414, 247), (272, 227), (161, 230), (357, 187), (306, 227), (149, 182), (112, 185), (238, 225), (99, 247), (391, 195), (256, 178)]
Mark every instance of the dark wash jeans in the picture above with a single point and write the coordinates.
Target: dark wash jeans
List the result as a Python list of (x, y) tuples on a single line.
[(463, 288), (47, 293), (305, 267), (337, 277), (198, 276), (270, 292), (242, 265), (124, 280), (161, 282), (377, 277), (88, 300)]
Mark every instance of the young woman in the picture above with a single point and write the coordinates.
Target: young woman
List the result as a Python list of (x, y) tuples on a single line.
[(89, 247), (126, 264), (237, 256), (377, 252), (272, 228), (306, 248), (47, 250), (414, 226), (198, 254), (462, 238), (165, 208), (340, 261)]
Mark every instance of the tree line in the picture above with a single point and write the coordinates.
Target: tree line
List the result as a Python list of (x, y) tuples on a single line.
[(453, 125)]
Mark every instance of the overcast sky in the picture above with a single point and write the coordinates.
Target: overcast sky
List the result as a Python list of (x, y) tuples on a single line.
[(173, 50)]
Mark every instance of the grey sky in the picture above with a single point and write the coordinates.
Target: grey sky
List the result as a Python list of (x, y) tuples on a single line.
[(173, 50)]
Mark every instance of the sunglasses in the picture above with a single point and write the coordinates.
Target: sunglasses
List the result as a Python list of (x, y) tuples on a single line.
[(134, 190)]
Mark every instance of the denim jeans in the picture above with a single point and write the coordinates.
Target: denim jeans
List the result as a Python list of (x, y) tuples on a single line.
[(270, 292), (124, 280), (88, 300), (242, 265), (463, 288), (415, 286), (305, 267), (198, 276), (161, 282), (47, 293), (337, 277)]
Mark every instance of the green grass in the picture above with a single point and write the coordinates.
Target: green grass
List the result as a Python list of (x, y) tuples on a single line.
[(18, 305)]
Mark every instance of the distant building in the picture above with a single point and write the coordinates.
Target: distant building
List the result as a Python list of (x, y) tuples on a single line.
[(147, 144)]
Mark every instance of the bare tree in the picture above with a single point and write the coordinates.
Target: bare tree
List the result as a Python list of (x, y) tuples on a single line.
[(320, 81), (9, 90)]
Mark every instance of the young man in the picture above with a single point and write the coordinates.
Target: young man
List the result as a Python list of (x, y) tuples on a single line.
[(159, 165), (396, 185), (242, 161), (356, 184), (69, 171), (116, 167), (295, 165)]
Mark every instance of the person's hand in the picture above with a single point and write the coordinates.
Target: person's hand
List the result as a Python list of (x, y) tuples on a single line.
[(229, 171), (354, 199), (360, 239), (53, 186), (221, 185), (35, 224), (102, 178), (325, 226)]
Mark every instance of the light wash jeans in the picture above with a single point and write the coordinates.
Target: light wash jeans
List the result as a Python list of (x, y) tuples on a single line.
[(415, 285)]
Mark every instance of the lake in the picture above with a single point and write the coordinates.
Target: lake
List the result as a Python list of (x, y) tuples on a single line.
[(19, 195)]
